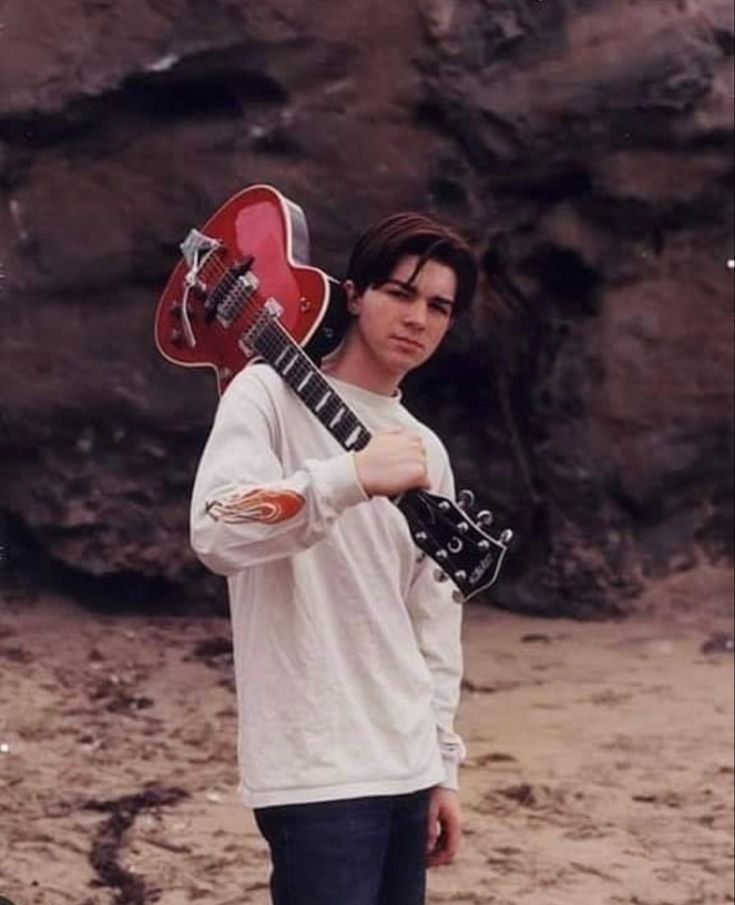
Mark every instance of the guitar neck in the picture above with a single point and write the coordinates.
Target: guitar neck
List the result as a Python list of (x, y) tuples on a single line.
[(302, 375)]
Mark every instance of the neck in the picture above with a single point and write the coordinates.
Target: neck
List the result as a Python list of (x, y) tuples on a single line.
[(352, 363)]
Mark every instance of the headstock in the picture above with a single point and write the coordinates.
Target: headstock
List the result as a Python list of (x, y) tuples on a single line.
[(465, 551)]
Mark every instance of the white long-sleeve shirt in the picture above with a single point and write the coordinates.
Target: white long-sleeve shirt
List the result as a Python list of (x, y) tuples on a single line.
[(347, 651)]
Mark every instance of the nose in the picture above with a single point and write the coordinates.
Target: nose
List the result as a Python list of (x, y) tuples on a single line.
[(415, 314)]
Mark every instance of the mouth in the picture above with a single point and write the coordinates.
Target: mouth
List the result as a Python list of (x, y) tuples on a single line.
[(411, 343)]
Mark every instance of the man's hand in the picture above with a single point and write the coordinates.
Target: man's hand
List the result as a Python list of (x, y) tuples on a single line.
[(393, 461), (445, 827)]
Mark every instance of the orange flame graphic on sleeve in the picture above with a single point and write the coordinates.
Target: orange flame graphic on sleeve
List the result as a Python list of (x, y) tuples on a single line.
[(269, 506)]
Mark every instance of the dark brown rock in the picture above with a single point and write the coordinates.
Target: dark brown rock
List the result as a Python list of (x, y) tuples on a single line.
[(585, 146)]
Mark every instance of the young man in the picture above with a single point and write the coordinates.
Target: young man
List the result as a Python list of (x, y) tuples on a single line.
[(347, 651)]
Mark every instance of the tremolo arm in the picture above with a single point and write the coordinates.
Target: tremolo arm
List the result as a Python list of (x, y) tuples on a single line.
[(197, 250)]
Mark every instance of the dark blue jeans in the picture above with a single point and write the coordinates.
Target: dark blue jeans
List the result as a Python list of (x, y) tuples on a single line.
[(360, 851)]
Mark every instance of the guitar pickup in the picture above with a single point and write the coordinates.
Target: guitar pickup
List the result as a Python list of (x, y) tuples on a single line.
[(219, 302)]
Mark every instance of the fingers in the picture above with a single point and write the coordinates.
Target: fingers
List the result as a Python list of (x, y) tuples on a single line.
[(452, 834), (395, 460), (432, 829), (445, 845), (444, 831)]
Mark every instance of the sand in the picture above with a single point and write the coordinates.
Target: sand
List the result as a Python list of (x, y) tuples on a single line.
[(600, 765)]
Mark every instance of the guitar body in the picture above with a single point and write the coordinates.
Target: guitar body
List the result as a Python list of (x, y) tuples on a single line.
[(262, 225)]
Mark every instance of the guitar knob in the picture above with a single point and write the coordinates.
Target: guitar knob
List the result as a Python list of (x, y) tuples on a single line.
[(465, 499), (463, 527), (460, 575), (440, 576), (506, 537), (176, 310), (485, 518), (484, 545), (445, 506), (421, 536), (176, 337), (442, 555)]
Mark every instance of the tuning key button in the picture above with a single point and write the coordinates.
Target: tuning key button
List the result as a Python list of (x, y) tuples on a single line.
[(483, 545), (421, 536), (439, 575), (463, 527), (466, 498), (458, 597), (421, 557), (445, 506), (506, 537), (485, 517), (460, 575)]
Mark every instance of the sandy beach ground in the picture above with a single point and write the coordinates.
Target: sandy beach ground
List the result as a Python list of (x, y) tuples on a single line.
[(600, 767)]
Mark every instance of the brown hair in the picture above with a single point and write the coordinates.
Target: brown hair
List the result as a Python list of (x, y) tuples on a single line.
[(381, 247)]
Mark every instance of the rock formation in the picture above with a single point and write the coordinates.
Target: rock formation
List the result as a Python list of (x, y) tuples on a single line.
[(584, 145)]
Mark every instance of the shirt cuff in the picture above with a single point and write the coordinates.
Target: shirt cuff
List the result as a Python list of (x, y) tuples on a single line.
[(451, 774), (338, 479)]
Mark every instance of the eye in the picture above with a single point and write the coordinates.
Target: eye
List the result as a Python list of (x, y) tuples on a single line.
[(441, 308), (397, 292)]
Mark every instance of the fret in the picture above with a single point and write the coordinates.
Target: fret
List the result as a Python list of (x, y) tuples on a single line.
[(337, 418), (353, 437), (290, 365), (305, 382), (323, 401)]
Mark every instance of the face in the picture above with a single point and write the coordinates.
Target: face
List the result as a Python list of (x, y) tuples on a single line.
[(398, 325)]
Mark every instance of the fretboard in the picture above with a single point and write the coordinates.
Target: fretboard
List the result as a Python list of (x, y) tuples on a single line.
[(305, 379)]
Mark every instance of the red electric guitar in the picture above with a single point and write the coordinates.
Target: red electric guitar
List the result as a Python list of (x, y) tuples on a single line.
[(243, 289)]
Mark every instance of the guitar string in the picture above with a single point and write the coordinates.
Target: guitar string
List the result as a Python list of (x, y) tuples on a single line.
[(274, 338)]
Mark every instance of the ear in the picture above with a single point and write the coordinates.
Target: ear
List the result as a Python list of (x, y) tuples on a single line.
[(353, 299)]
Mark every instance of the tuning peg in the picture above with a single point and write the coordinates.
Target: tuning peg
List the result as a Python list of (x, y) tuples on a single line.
[(442, 555), (421, 536), (485, 518), (460, 575), (483, 545), (457, 596), (445, 506), (421, 557), (440, 576), (465, 499), (506, 537)]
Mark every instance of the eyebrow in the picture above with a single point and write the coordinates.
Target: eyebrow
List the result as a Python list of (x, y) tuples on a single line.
[(411, 287)]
